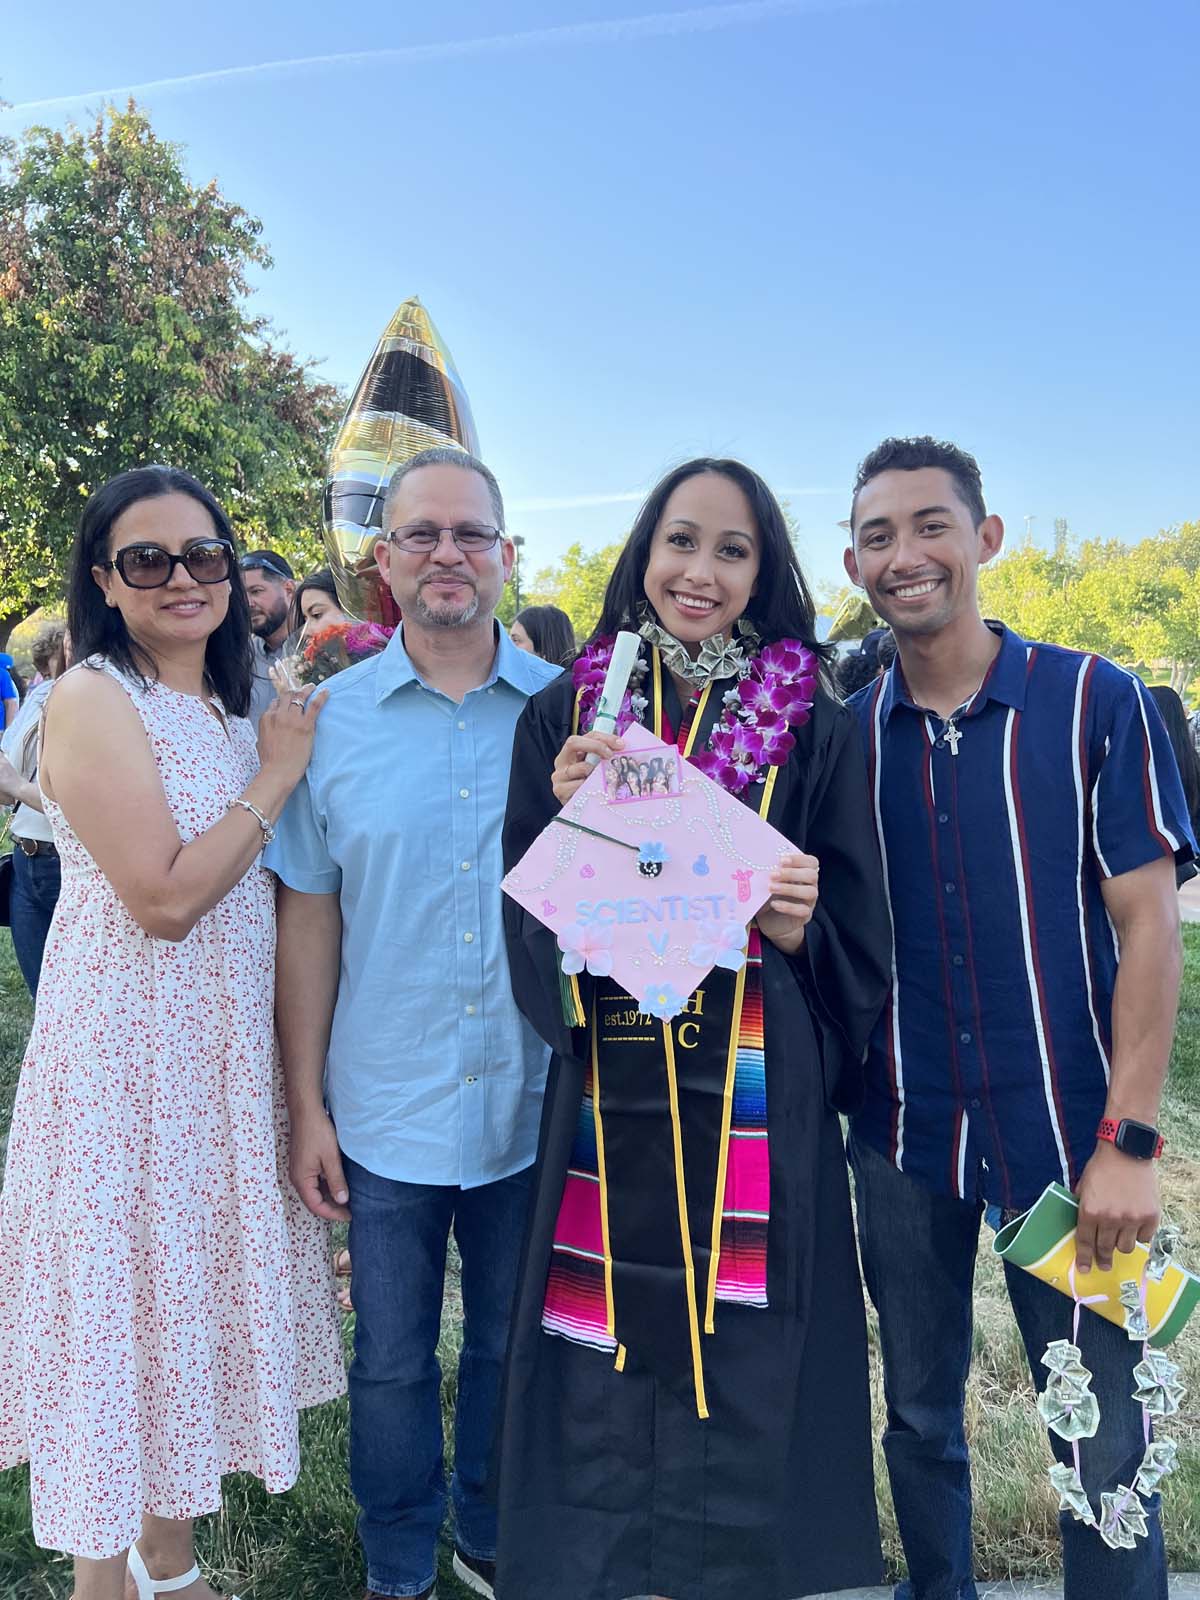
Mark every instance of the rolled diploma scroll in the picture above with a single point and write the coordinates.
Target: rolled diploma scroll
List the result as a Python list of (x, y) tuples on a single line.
[(616, 681)]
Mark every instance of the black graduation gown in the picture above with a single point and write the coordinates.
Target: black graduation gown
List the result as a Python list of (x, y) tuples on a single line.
[(610, 1485)]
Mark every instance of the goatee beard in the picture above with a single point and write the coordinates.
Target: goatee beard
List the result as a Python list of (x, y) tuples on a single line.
[(447, 616)]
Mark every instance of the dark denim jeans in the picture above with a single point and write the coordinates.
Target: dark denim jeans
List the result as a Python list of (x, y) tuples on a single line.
[(918, 1252), (35, 884), (398, 1236)]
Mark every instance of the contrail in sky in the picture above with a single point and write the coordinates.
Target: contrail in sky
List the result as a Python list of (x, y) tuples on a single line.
[(620, 30)]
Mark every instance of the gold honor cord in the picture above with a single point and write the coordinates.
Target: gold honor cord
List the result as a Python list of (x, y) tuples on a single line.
[(685, 1235), (657, 710)]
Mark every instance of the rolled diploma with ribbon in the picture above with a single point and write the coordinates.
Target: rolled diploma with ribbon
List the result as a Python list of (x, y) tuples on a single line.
[(616, 681)]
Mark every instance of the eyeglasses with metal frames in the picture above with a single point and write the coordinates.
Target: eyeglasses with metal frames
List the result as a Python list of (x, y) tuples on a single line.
[(422, 538), (149, 566)]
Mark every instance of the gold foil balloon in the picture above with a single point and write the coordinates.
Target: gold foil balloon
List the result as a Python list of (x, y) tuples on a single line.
[(409, 398)]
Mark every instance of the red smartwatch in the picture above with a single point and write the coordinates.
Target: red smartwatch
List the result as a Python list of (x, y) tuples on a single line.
[(1136, 1139)]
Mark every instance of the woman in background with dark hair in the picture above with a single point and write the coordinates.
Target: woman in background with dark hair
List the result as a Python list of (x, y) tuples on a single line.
[(1175, 719), (686, 1407), (545, 631), (315, 605), (165, 1305)]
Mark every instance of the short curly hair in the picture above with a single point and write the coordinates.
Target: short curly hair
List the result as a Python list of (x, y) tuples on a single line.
[(910, 455)]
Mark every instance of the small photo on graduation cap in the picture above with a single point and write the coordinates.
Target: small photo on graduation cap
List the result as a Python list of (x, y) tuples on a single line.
[(641, 775)]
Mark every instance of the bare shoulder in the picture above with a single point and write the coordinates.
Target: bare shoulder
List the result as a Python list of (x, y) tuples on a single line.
[(88, 704), (85, 690)]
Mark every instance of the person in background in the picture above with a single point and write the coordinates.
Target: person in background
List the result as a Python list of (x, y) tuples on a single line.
[(165, 1307), (315, 605), (1175, 721), (545, 631), (44, 651), (10, 694), (270, 584), (853, 672), (36, 873), (1031, 821), (413, 1083)]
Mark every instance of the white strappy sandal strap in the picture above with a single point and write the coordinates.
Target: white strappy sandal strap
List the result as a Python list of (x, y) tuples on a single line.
[(148, 1587)]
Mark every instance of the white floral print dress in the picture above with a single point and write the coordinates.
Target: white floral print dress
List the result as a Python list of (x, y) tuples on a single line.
[(166, 1303)]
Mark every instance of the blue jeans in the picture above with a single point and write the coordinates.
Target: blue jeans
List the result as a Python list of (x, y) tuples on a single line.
[(398, 1236), (35, 885), (918, 1252)]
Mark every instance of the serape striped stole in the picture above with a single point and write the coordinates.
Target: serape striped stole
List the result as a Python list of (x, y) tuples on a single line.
[(577, 1304)]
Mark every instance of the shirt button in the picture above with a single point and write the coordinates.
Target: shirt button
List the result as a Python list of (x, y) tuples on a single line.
[(468, 938), (466, 866), (943, 816), (975, 1104), (470, 1011), (964, 1038), (461, 726), (949, 888), (471, 1080), (958, 961), (491, 691), (463, 793)]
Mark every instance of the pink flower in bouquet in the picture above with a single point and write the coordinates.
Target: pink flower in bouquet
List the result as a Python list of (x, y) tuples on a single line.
[(365, 639)]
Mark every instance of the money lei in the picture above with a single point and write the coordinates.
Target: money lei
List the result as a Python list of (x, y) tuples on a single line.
[(1069, 1408), (775, 691)]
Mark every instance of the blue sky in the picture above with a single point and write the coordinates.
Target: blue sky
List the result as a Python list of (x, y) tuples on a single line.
[(778, 230)]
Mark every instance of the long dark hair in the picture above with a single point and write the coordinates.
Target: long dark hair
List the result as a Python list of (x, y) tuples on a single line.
[(98, 629), (550, 633), (321, 580), (781, 606), (1180, 735)]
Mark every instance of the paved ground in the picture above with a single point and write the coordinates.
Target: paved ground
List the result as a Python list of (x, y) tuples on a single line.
[(1189, 901), (1183, 1585)]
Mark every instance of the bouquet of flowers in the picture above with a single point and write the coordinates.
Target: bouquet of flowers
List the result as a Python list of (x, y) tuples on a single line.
[(330, 651)]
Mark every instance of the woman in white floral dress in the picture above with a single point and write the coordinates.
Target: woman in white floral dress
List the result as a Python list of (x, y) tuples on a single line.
[(166, 1305)]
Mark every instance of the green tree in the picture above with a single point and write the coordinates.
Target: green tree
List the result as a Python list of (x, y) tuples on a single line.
[(125, 338), (1139, 604), (577, 584)]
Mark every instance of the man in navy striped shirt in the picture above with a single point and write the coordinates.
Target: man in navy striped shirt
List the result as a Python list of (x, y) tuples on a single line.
[(1030, 816)]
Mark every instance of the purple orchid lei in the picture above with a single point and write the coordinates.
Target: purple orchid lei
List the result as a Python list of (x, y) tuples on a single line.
[(755, 730)]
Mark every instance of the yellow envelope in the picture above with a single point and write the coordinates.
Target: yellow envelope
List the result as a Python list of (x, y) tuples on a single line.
[(1043, 1242)]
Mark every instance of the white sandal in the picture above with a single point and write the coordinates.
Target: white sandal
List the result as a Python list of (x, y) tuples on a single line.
[(148, 1587)]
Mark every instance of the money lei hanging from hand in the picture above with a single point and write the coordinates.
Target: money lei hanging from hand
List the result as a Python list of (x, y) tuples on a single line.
[(1068, 1408)]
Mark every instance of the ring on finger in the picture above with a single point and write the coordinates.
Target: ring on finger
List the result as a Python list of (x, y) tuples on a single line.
[(296, 702)]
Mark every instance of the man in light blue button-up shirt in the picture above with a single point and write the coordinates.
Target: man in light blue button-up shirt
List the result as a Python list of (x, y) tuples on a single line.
[(390, 850)]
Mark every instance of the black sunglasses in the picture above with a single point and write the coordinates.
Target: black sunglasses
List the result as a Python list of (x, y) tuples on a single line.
[(263, 564), (149, 566)]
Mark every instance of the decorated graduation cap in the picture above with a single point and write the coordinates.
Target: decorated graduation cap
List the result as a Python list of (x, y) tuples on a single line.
[(650, 874), (409, 398)]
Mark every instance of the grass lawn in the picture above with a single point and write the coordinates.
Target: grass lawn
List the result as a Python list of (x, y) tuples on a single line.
[(302, 1545)]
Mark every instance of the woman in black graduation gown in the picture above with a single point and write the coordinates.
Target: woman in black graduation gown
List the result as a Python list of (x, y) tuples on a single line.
[(657, 1438)]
